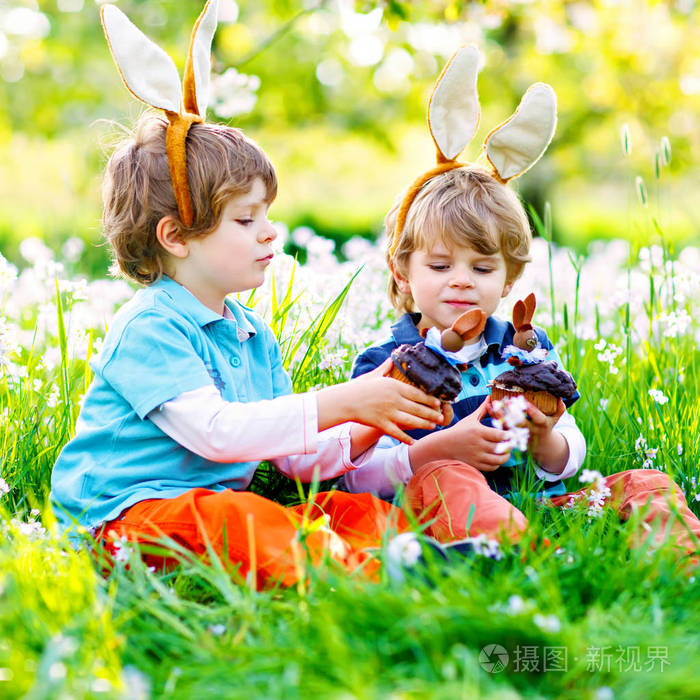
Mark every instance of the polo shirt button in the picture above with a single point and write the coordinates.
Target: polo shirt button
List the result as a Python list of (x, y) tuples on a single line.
[(235, 361), (473, 380)]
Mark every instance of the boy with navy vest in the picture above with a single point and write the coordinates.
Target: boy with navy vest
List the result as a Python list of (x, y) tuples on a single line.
[(464, 241)]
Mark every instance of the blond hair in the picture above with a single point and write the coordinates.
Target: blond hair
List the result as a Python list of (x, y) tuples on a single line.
[(465, 207), (137, 191)]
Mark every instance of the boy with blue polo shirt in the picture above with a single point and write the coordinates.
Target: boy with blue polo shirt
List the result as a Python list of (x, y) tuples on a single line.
[(189, 392)]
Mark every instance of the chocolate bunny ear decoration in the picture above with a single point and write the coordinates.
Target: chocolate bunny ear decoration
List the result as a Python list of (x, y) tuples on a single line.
[(525, 337), (453, 117), (466, 327), (151, 76)]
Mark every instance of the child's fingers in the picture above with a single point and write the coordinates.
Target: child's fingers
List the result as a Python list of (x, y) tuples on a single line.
[(413, 393), (381, 371), (493, 454), (561, 409), (394, 431), (447, 413), (492, 435), (420, 410), (483, 408), (489, 462), (412, 421), (536, 416), (385, 368)]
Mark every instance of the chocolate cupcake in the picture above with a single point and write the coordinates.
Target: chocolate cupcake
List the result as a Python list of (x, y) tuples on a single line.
[(432, 368), (543, 384), (420, 366)]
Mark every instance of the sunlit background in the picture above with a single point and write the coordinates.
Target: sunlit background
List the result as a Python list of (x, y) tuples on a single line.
[(336, 92)]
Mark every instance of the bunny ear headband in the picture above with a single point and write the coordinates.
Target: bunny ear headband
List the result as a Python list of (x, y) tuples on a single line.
[(151, 76), (453, 117)]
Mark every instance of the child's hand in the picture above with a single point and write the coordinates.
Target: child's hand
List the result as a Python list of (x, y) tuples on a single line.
[(390, 405), (547, 446), (540, 424), (380, 402), (475, 443)]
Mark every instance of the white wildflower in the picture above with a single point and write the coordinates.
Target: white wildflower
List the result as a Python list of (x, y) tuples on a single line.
[(4, 487), (588, 476), (233, 93), (597, 494), (515, 605), (548, 623), (122, 549), (73, 248), (31, 529), (101, 685), (658, 396), (486, 547), (610, 355), (512, 413), (675, 323), (332, 361), (137, 685)]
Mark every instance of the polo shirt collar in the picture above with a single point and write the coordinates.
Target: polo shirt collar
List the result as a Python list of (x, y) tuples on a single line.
[(495, 332), (241, 320), (405, 330), (188, 304)]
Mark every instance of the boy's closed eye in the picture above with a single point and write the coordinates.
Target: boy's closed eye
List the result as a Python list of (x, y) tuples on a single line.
[(480, 269)]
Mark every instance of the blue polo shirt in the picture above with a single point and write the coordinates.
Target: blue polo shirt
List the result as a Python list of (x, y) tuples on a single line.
[(475, 379), (161, 343)]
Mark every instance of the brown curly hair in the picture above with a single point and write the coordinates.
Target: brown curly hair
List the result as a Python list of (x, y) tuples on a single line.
[(137, 191)]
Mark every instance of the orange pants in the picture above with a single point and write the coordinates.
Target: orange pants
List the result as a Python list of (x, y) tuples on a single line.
[(267, 540), (455, 501)]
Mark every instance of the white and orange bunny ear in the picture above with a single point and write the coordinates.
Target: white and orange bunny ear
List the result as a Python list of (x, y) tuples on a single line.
[(454, 111), (151, 76), (518, 143), (147, 71), (198, 66), (453, 117)]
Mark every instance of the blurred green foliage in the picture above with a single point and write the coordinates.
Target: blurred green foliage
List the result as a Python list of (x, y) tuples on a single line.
[(340, 105)]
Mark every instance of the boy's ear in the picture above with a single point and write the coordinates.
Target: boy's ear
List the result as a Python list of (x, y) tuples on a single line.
[(170, 237), (401, 282), (506, 289)]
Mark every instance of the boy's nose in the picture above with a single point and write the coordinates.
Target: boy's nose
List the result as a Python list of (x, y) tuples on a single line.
[(461, 278), (269, 232)]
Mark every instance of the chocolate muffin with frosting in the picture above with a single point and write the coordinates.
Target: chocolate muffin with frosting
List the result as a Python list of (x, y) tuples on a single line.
[(431, 365), (419, 365), (543, 384)]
